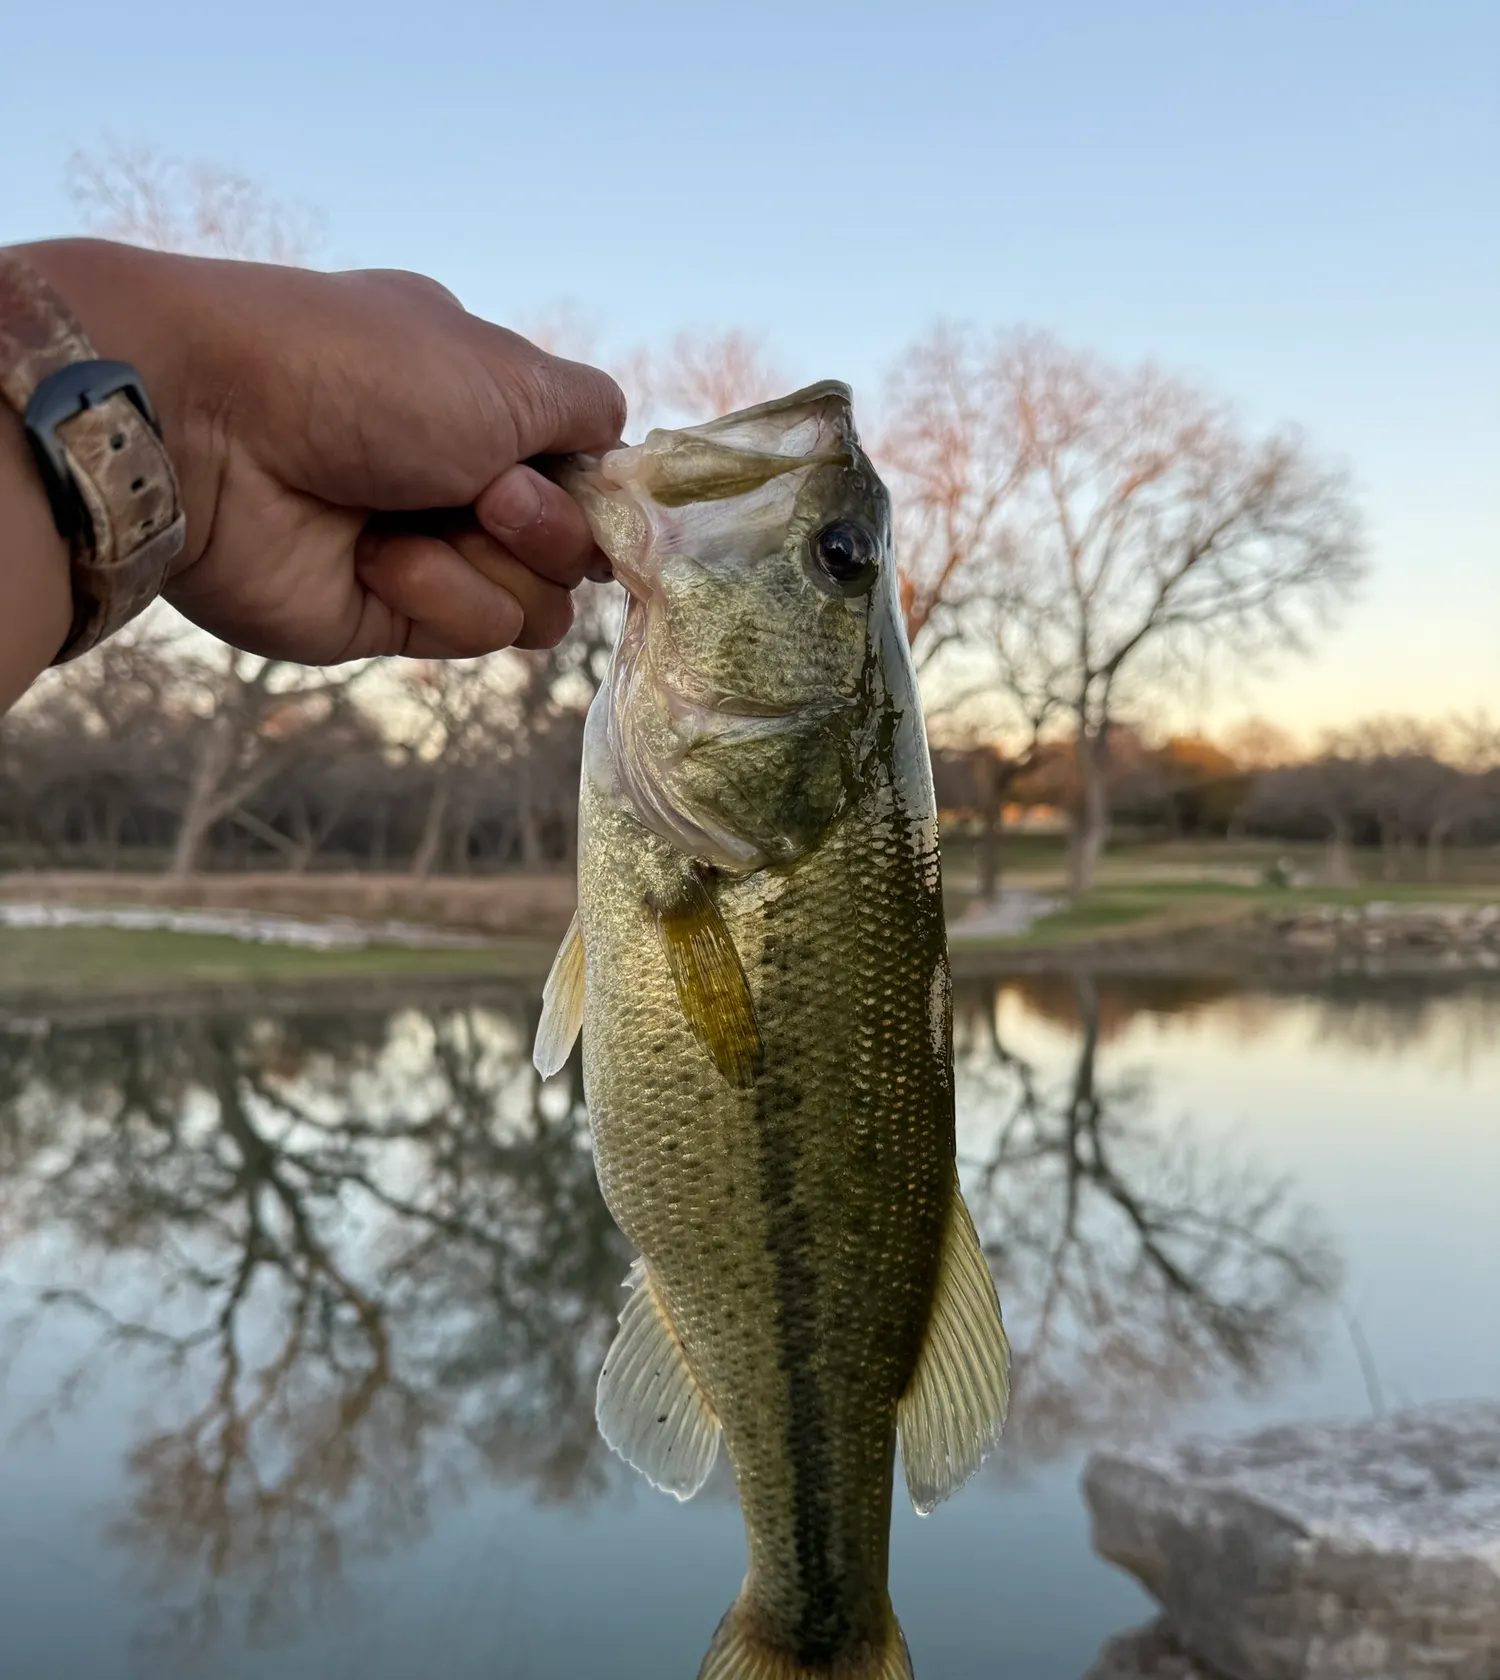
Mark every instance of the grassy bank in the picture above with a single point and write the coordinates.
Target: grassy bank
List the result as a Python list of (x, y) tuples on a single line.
[(37, 963), (1141, 906), (1039, 860), (1144, 909)]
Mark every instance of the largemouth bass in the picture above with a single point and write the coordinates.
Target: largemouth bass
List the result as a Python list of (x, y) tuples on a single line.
[(760, 972)]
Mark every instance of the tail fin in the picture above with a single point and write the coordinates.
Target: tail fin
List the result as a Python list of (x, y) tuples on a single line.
[(739, 1652)]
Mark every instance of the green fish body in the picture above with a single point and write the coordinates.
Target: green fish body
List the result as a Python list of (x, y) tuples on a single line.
[(759, 968)]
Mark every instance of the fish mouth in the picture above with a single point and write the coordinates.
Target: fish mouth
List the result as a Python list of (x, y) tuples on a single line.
[(737, 453), (636, 584)]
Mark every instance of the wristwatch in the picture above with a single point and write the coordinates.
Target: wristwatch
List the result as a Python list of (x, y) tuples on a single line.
[(98, 446)]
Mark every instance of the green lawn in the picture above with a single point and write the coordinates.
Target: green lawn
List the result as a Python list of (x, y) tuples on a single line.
[(1166, 907), (49, 962), (39, 961), (1040, 860)]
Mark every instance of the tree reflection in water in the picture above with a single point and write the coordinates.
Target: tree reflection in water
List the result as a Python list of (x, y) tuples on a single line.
[(369, 1254), (1136, 1272)]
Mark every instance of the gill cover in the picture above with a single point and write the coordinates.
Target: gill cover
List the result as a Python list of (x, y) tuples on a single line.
[(756, 553)]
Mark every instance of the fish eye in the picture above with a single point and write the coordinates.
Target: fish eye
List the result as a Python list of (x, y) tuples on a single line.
[(845, 553)]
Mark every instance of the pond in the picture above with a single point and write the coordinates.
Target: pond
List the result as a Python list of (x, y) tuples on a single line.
[(301, 1314)]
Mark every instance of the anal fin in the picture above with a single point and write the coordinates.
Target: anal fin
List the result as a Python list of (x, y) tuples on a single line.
[(710, 980), (954, 1407), (650, 1408), (562, 1004)]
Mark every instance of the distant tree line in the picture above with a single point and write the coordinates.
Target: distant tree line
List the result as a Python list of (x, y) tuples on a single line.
[(165, 752), (1402, 785), (1402, 788), (1073, 537)]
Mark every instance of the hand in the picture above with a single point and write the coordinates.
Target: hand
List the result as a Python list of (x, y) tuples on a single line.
[(351, 449)]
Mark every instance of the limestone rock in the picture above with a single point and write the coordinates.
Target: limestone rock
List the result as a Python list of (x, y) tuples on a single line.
[(1347, 1551), (1150, 1653)]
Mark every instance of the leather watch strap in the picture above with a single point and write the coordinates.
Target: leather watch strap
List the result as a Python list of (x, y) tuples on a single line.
[(135, 527)]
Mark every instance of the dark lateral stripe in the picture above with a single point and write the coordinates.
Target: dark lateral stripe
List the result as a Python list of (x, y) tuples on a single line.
[(823, 1624)]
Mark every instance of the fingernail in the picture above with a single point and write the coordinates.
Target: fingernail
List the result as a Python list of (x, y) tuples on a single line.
[(512, 502)]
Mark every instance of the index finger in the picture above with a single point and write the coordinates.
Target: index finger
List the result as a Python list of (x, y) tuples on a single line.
[(540, 524)]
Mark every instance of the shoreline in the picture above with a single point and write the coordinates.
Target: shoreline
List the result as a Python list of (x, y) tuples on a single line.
[(1260, 948), (98, 946), (298, 981)]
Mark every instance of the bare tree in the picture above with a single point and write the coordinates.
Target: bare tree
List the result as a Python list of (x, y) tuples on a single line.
[(1399, 777), (695, 376), (561, 330), (146, 197), (458, 712), (1420, 783), (1255, 743), (1468, 798), (310, 800), (505, 731), (1321, 797), (546, 736), (258, 714), (953, 457), (1119, 526), (88, 750), (698, 377), (977, 776), (953, 460), (259, 718), (1397, 782), (1476, 743)]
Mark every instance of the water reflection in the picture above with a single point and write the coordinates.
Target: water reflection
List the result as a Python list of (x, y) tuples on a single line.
[(366, 1260), (366, 1257), (1136, 1270)]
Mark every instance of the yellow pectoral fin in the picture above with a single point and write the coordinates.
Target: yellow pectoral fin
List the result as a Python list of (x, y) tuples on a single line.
[(710, 981), (562, 1004), (954, 1407), (650, 1408)]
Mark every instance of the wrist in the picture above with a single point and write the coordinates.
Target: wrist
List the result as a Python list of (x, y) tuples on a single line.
[(35, 582), (140, 307)]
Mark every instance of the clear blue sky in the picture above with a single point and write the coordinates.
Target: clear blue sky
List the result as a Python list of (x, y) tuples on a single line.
[(1295, 203)]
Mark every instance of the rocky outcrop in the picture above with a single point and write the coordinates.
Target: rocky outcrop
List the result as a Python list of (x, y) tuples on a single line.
[(1363, 1551), (1150, 1653), (1458, 934)]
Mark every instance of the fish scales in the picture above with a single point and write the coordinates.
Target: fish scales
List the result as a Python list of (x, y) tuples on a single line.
[(795, 1206), (835, 1227)]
